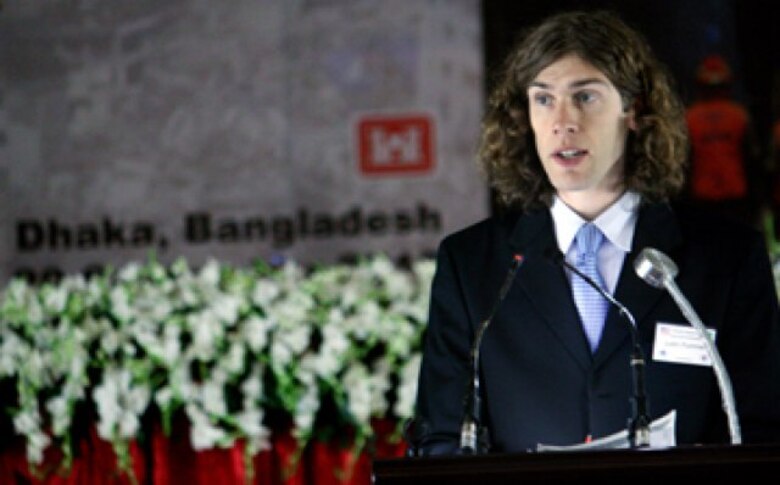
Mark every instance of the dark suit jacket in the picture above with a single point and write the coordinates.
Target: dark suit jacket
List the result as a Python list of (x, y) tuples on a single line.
[(540, 382)]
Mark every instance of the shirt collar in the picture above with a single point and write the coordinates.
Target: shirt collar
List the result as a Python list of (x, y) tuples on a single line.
[(617, 222)]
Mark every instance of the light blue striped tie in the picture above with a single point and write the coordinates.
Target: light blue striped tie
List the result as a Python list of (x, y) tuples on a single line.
[(591, 305)]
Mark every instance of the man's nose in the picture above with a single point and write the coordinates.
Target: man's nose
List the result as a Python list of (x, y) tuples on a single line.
[(565, 120)]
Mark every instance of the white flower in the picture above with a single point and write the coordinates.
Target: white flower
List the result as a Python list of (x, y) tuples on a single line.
[(350, 295), (156, 271), (331, 355), (204, 434), (417, 309), (382, 266), (78, 365), (153, 304), (18, 292), (111, 340), (291, 274), (171, 349), (281, 354), (225, 308), (335, 338), (58, 408), (407, 388), (34, 311), (297, 338), (252, 387), (250, 422), (255, 332), (358, 387), (74, 282), (379, 385), (233, 361), (289, 342), (398, 334), (306, 410), (55, 300), (180, 382), (292, 310), (209, 273), (164, 397), (366, 320), (34, 367), (180, 268), (327, 364), (424, 271), (120, 305), (206, 332), (186, 289), (129, 272), (399, 286), (36, 443), (27, 421), (94, 292), (264, 292), (212, 395), (120, 404), (11, 352)]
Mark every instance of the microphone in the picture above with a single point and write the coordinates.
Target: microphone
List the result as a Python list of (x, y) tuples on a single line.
[(659, 271), (473, 436), (639, 423)]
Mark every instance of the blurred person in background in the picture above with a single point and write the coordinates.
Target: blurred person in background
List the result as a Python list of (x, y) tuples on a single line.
[(725, 172)]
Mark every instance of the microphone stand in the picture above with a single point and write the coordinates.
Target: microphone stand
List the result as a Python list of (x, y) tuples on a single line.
[(659, 271), (473, 435), (639, 422)]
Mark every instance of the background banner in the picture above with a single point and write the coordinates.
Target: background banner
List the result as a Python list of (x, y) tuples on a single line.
[(242, 130)]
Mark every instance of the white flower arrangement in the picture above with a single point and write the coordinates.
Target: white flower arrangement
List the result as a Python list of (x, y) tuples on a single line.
[(330, 348)]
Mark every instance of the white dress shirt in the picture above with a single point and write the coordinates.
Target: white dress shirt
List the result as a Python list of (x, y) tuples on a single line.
[(617, 223)]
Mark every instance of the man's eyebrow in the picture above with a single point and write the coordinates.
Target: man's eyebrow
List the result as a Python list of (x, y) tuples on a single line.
[(576, 84)]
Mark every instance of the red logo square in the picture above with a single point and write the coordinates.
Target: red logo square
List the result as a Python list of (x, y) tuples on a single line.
[(395, 144)]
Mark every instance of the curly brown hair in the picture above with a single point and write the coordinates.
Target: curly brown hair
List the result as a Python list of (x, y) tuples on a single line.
[(655, 152)]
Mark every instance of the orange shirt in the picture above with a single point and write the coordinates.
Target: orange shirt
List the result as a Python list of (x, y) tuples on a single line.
[(717, 130)]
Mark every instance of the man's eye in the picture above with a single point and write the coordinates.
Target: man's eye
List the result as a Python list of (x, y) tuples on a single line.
[(584, 97), (543, 99)]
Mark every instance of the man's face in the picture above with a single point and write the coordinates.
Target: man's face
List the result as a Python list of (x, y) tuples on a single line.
[(580, 128)]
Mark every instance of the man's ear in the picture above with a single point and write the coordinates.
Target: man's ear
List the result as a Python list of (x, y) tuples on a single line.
[(631, 119), (632, 108)]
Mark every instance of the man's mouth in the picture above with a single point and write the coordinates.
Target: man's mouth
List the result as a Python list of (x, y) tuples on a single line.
[(570, 153)]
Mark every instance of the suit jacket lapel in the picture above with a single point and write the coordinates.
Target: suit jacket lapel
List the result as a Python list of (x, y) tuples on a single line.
[(545, 285), (657, 227)]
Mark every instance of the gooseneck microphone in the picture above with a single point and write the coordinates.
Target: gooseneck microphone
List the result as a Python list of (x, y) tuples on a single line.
[(639, 423), (659, 271), (473, 435)]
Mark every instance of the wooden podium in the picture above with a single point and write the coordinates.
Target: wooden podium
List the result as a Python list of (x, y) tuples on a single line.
[(698, 464)]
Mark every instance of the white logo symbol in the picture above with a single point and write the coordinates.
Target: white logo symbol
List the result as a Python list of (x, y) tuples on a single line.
[(395, 147)]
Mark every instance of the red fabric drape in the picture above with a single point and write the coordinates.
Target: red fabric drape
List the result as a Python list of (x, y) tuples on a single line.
[(169, 460), (175, 462), (94, 463), (387, 441), (331, 464)]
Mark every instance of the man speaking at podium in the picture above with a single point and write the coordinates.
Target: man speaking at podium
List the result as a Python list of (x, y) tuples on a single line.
[(584, 141)]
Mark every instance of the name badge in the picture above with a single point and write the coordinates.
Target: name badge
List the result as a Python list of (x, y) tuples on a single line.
[(681, 344)]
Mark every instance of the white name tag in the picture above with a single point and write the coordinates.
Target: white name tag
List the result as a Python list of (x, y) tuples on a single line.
[(680, 344)]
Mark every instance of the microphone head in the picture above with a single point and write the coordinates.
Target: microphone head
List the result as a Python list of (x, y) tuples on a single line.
[(655, 267)]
